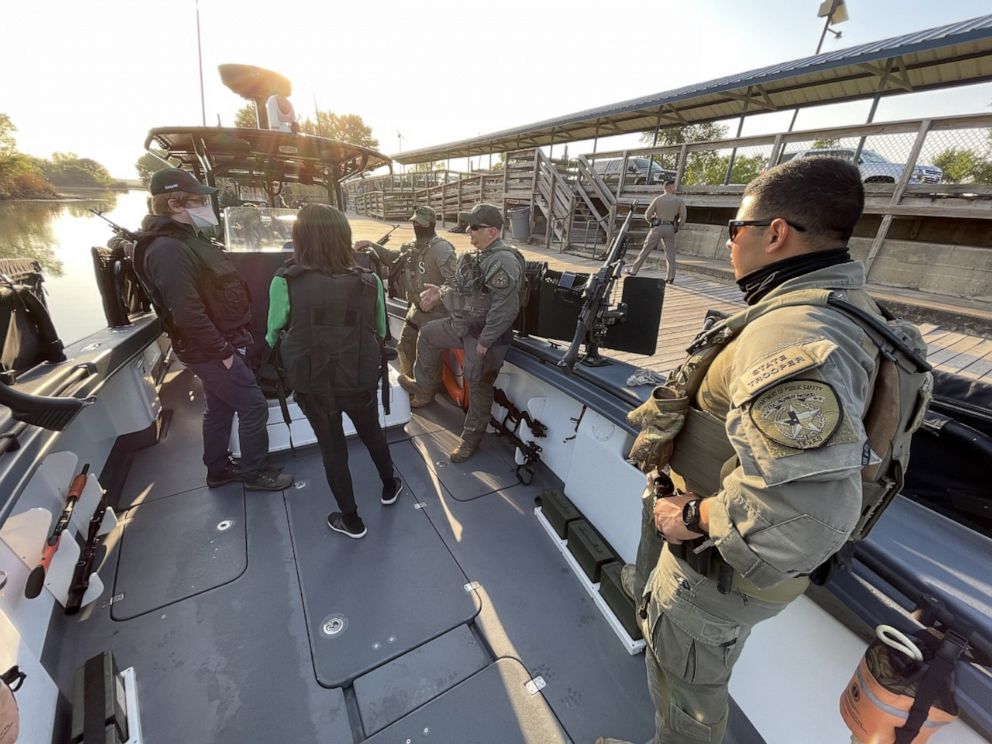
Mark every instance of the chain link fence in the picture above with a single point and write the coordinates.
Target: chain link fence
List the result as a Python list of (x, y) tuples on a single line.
[(953, 156)]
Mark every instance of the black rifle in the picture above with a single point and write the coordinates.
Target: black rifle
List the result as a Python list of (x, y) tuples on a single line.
[(84, 566), (596, 315), (509, 426), (120, 231)]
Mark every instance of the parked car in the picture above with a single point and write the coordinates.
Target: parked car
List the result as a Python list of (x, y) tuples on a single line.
[(874, 168), (637, 171)]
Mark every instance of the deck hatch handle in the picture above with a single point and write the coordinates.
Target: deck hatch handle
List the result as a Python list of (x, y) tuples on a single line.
[(535, 685)]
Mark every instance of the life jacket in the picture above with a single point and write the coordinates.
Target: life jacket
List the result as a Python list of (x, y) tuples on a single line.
[(901, 391), (224, 294), (330, 346)]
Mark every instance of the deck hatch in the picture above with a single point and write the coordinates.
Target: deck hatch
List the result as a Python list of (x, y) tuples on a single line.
[(397, 588), (493, 700), (172, 549)]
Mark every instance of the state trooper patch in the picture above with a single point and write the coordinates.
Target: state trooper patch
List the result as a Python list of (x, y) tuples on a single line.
[(798, 414), (500, 280)]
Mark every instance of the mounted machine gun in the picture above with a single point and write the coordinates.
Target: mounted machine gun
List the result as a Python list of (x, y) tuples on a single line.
[(599, 318)]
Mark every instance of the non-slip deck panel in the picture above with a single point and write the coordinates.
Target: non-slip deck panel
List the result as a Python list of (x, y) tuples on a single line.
[(491, 707), (440, 415), (172, 549), (175, 464), (388, 693), (228, 666), (490, 469), (534, 609), (386, 594)]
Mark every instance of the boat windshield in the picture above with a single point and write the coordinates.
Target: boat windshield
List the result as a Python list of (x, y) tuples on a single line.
[(252, 228)]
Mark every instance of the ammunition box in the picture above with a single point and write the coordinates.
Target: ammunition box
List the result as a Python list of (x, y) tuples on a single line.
[(99, 710), (558, 510), (616, 598), (590, 550)]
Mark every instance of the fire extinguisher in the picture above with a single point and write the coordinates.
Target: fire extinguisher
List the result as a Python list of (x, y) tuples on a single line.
[(901, 693)]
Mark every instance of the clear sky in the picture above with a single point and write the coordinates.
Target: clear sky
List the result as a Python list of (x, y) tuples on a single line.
[(93, 77)]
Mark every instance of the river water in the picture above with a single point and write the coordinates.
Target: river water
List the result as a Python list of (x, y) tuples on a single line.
[(59, 235)]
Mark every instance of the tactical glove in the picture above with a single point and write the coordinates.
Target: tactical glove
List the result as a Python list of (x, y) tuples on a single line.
[(660, 419)]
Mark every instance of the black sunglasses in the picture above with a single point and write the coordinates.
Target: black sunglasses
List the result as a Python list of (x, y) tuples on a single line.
[(478, 227), (734, 226)]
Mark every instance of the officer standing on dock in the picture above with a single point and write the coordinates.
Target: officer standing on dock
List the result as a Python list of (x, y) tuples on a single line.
[(483, 299), (206, 310), (664, 214), (767, 473), (430, 259)]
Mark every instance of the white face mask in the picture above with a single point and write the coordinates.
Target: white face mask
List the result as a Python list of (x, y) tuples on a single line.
[(202, 217)]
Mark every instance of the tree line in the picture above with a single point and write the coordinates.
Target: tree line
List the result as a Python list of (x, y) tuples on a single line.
[(24, 176)]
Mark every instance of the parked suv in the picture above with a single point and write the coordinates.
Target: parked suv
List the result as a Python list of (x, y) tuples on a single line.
[(637, 171), (874, 168)]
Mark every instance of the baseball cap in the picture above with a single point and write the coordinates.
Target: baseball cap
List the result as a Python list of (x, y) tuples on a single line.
[(483, 214), (424, 216), (169, 180)]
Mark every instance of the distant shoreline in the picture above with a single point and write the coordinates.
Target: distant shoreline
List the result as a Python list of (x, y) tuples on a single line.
[(75, 194)]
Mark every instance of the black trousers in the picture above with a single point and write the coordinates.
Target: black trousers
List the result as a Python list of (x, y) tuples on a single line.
[(324, 414)]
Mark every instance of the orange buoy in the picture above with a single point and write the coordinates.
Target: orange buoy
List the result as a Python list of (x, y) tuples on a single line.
[(881, 693)]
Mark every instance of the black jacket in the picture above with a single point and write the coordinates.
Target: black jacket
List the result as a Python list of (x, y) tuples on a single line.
[(197, 286)]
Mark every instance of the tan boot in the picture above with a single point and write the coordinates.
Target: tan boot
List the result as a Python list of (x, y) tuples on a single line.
[(418, 398), (466, 447), (628, 577)]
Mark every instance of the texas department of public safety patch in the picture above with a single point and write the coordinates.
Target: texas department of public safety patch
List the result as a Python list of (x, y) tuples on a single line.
[(500, 280), (799, 414)]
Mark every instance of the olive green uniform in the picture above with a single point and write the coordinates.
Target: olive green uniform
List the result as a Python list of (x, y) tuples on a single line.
[(415, 265), (668, 211), (483, 299), (783, 400)]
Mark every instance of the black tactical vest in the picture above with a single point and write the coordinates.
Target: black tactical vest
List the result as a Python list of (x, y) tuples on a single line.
[(330, 347), (224, 294)]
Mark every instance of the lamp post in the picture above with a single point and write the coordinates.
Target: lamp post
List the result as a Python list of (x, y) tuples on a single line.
[(199, 54), (834, 12)]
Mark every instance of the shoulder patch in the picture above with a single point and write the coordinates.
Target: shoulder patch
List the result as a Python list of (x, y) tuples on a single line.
[(500, 280), (798, 414), (784, 363)]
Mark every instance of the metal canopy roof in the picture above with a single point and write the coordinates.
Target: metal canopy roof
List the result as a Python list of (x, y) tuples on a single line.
[(261, 154), (956, 54)]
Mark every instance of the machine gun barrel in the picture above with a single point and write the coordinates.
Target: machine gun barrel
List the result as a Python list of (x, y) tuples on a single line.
[(596, 297), (121, 231), (385, 238)]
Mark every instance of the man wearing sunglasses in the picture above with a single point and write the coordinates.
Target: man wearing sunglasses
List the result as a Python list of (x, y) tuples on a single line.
[(664, 214), (767, 470), (483, 299)]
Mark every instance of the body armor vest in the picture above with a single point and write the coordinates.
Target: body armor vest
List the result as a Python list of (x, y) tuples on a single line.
[(411, 271), (224, 294), (473, 296), (330, 347), (901, 391)]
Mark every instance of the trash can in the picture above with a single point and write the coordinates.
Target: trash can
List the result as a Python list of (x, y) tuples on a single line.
[(519, 222)]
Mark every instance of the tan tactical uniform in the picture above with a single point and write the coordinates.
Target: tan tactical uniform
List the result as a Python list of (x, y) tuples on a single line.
[(418, 263), (483, 299), (668, 209), (775, 436)]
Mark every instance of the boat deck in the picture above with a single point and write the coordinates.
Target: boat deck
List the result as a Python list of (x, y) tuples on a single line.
[(246, 619)]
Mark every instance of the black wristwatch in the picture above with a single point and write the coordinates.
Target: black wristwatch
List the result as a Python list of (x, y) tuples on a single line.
[(690, 516)]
